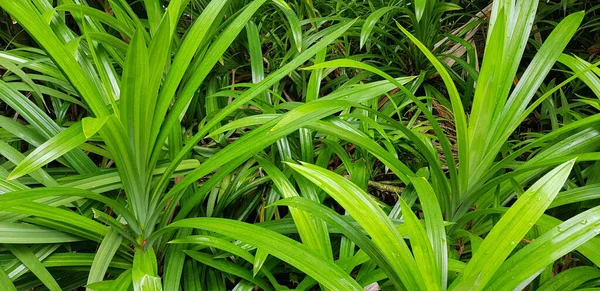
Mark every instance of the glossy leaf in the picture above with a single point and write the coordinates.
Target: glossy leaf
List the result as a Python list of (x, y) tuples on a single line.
[(512, 228)]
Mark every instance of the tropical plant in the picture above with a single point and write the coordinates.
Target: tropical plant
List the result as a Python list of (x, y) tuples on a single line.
[(146, 152)]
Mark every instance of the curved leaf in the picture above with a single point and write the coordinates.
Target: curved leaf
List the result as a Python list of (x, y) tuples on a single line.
[(370, 22), (279, 246), (372, 219), (512, 227)]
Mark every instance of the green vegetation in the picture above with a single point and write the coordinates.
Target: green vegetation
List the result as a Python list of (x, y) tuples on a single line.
[(303, 144)]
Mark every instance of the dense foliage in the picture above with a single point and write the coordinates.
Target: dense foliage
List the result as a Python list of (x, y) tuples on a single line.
[(303, 144)]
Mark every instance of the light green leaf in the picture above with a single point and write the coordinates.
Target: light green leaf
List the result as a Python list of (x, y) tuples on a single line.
[(279, 246), (108, 247), (350, 230), (434, 223), (570, 279), (134, 106), (242, 99), (370, 22), (371, 217), (92, 125), (259, 261), (293, 21), (48, 16), (49, 151), (5, 283), (22, 233), (420, 6), (458, 110), (145, 271), (421, 248), (28, 258), (512, 227), (313, 233), (544, 250), (313, 110)]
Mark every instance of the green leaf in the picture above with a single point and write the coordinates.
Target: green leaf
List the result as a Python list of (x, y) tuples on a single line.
[(579, 194), (256, 55), (16, 198), (241, 100), (445, 143), (174, 262), (72, 222), (434, 223), (353, 232), (195, 36), (197, 76), (108, 247), (44, 125), (313, 88), (259, 261), (159, 53), (420, 6), (370, 22), (28, 258), (47, 39), (313, 110), (222, 244), (154, 12), (9, 66), (343, 131), (504, 123), (421, 248), (228, 267), (458, 110), (5, 283), (244, 122), (371, 217), (312, 232), (15, 157), (81, 259), (577, 65), (546, 249), (48, 16), (98, 15), (279, 246), (92, 125), (512, 227), (108, 40), (145, 271), (55, 147), (134, 105), (73, 46), (293, 21), (21, 233), (487, 96), (570, 279), (122, 283)]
